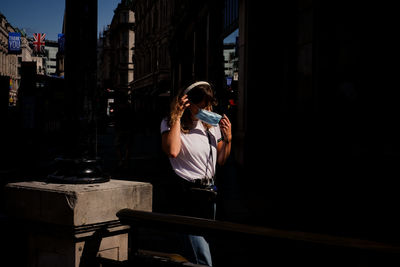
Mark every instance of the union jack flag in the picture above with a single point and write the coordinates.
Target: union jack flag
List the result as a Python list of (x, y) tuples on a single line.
[(38, 43)]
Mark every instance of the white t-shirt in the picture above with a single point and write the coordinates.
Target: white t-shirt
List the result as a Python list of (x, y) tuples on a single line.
[(194, 160)]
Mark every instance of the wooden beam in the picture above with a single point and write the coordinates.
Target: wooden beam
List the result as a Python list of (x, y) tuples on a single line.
[(200, 226)]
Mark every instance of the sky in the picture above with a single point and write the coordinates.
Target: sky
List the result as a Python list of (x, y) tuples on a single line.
[(46, 16), (231, 38)]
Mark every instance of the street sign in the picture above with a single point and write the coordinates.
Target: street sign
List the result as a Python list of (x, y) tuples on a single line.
[(14, 43), (61, 42)]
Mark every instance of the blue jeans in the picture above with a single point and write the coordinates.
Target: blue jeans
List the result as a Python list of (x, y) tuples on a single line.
[(197, 250), (181, 201)]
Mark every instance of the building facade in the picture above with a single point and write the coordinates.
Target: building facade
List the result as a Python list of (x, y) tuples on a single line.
[(151, 52), (50, 58), (152, 85), (122, 40), (176, 42), (116, 66), (8, 62), (115, 49)]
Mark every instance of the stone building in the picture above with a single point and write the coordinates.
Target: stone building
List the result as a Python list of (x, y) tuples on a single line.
[(115, 61), (176, 42), (50, 58), (230, 60), (116, 51), (60, 56), (151, 52), (8, 62), (39, 59)]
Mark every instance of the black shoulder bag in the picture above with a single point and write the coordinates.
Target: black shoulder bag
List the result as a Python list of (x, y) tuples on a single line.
[(208, 192)]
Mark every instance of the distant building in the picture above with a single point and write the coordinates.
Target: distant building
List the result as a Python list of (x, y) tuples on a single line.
[(152, 86), (8, 62), (152, 55), (32, 57), (115, 59), (231, 61), (60, 56), (50, 59), (115, 50), (123, 41)]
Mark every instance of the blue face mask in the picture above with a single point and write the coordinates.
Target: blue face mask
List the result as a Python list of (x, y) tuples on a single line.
[(208, 117)]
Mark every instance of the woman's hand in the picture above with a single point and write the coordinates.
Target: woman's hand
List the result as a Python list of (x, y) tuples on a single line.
[(224, 148), (183, 103), (226, 128)]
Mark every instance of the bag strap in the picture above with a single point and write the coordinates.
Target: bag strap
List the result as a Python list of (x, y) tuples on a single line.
[(210, 156)]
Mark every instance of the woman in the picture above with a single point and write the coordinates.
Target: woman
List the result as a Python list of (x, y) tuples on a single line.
[(195, 139)]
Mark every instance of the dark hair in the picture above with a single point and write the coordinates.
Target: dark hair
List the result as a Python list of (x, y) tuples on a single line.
[(202, 92)]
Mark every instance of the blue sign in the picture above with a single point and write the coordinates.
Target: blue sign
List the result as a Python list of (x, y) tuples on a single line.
[(14, 42), (61, 42), (228, 81)]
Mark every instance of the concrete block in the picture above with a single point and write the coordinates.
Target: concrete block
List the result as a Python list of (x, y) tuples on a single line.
[(76, 205), (69, 225)]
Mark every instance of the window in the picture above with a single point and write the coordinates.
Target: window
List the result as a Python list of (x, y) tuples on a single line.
[(124, 17), (125, 38)]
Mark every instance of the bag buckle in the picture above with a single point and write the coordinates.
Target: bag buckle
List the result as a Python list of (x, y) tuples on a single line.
[(204, 181)]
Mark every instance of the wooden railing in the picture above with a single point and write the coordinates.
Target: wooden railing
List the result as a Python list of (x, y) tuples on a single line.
[(276, 246)]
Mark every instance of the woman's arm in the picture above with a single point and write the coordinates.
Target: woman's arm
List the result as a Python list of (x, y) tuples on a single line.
[(171, 140), (224, 147)]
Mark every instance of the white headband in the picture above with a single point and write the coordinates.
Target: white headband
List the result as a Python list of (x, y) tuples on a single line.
[(194, 85)]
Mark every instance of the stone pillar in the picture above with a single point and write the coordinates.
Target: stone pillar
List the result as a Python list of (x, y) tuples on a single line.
[(69, 225)]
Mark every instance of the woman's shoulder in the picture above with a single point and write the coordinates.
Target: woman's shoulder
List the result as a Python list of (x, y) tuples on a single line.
[(164, 127)]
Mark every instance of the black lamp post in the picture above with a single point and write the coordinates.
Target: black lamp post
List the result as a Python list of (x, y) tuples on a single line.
[(80, 26)]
